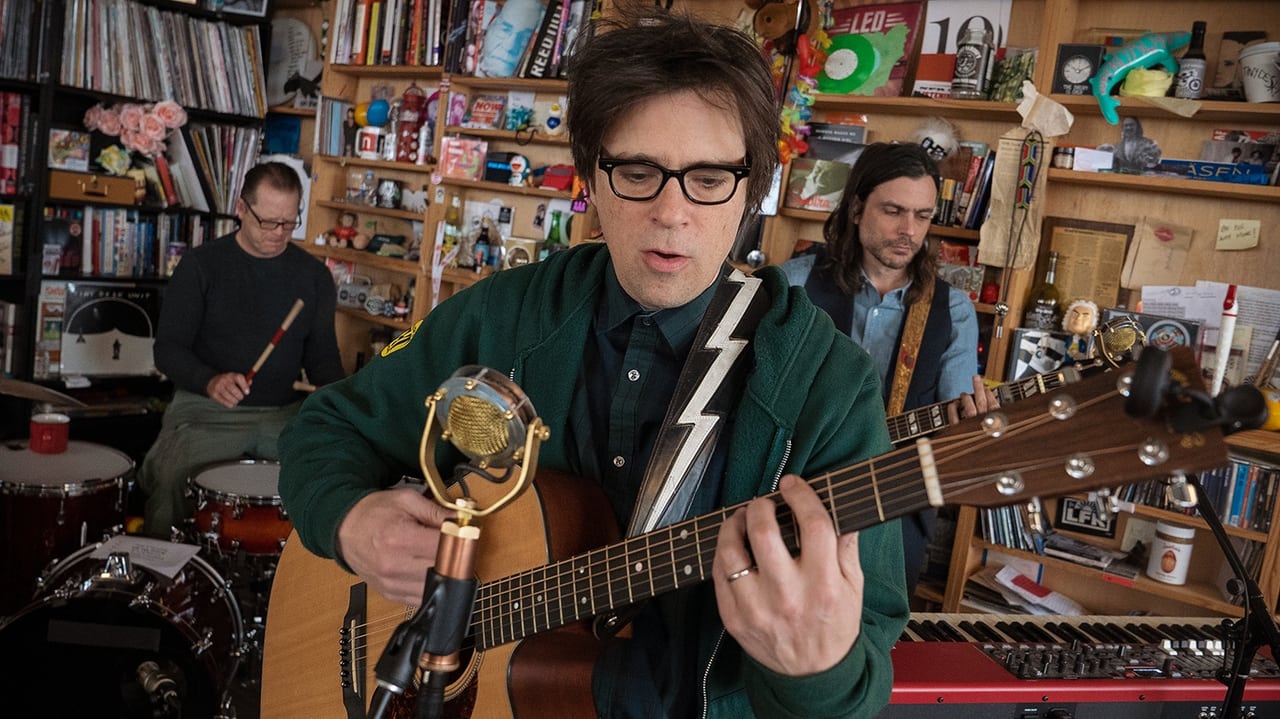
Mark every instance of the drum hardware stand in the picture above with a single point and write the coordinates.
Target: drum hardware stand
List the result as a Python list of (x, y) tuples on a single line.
[(484, 415)]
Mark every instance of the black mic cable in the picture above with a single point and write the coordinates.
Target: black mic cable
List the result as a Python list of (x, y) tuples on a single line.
[(432, 637)]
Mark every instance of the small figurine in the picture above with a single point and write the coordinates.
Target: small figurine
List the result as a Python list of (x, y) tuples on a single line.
[(344, 233), (519, 170), (1080, 320), (555, 120)]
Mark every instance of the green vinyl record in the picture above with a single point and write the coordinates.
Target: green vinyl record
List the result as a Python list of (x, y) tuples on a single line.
[(851, 60)]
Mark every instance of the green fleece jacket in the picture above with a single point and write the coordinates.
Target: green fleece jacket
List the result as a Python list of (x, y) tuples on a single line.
[(811, 404)]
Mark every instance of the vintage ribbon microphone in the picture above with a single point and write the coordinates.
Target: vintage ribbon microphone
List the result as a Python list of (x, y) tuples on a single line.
[(490, 420)]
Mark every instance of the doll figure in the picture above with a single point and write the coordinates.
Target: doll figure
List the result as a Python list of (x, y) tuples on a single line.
[(1080, 320), (344, 232)]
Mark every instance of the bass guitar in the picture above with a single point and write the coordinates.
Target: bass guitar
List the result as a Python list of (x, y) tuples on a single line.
[(547, 564)]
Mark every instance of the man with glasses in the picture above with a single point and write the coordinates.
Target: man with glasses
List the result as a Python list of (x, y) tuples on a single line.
[(673, 125), (222, 307)]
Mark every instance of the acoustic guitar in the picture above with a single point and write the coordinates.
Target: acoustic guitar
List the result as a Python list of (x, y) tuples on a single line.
[(547, 563)]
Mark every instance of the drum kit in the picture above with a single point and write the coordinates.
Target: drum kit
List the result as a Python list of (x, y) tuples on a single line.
[(90, 631)]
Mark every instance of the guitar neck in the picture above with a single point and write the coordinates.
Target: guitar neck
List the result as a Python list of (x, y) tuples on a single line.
[(933, 417), (680, 555)]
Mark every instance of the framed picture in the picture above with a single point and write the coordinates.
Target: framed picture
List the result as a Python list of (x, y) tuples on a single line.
[(68, 150), (1090, 258), (1082, 515), (256, 8), (1036, 352)]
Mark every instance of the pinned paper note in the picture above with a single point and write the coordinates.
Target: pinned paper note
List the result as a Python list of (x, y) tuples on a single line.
[(1156, 255), (1238, 234)]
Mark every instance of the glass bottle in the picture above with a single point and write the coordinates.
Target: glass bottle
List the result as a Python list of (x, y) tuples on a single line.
[(1190, 83), (1042, 308), (481, 250), (555, 237), (452, 228)]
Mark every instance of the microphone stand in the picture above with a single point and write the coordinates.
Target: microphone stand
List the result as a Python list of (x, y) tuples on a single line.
[(489, 427), (1251, 632), (432, 637)]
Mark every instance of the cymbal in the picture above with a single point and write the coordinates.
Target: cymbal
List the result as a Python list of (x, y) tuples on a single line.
[(36, 392)]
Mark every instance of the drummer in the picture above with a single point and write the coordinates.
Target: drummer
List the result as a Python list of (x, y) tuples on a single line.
[(233, 340)]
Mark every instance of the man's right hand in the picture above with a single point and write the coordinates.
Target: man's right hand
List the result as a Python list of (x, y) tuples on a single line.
[(389, 538), (227, 389)]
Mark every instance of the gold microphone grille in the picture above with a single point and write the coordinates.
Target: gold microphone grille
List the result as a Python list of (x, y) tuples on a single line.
[(478, 427), (1120, 340)]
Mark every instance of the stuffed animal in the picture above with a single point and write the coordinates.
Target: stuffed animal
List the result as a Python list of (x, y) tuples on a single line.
[(342, 232), (776, 22), (789, 30), (938, 137)]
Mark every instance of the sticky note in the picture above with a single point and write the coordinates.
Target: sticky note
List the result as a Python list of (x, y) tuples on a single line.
[(1238, 234)]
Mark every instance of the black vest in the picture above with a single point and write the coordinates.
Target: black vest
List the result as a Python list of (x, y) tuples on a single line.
[(821, 288)]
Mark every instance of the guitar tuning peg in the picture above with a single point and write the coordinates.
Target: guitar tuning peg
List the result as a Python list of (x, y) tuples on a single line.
[(1179, 492)]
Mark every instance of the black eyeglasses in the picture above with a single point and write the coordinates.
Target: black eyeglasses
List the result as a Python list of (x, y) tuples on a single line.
[(272, 225), (641, 180)]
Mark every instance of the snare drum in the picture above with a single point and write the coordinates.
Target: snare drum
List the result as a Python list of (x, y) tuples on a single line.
[(78, 648), (238, 507), (50, 506)]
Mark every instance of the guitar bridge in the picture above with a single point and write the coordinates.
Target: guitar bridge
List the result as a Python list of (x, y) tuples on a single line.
[(352, 660)]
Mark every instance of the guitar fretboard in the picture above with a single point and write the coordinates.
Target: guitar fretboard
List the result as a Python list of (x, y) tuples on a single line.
[(680, 555), (932, 418)]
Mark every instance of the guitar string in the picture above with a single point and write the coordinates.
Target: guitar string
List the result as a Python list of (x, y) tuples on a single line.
[(530, 578), (900, 426), (901, 496)]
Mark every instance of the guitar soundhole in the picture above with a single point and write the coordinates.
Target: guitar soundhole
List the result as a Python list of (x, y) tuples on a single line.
[(460, 693)]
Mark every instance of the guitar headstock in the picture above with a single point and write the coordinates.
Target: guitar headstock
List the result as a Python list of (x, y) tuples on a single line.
[(1077, 438)]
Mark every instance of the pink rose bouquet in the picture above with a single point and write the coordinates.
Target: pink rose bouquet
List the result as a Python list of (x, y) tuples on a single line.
[(142, 128)]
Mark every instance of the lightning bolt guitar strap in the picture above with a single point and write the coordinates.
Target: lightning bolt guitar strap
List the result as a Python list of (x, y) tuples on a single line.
[(703, 396), (695, 415)]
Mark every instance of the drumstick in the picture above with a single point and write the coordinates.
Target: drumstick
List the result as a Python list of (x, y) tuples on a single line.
[(303, 386), (284, 326)]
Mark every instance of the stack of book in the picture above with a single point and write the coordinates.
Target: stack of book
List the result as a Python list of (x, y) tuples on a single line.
[(535, 36), (1080, 552)]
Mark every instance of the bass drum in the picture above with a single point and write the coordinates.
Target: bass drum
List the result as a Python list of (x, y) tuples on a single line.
[(107, 637)]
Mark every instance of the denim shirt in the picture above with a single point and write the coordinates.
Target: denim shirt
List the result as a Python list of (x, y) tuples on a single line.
[(877, 322)]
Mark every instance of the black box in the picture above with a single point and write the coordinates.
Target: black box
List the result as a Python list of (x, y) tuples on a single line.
[(497, 167)]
